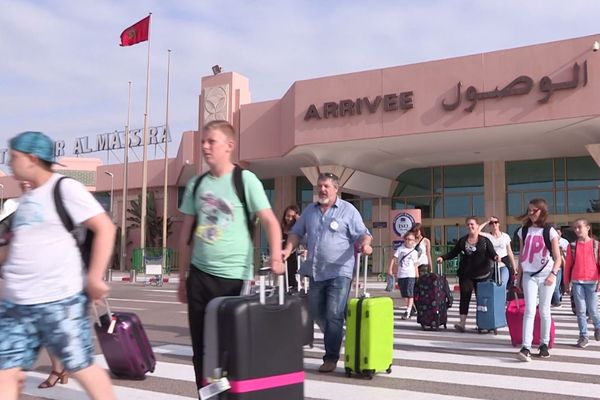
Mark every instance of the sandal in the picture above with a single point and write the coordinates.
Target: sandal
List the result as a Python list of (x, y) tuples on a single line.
[(62, 377), (459, 328)]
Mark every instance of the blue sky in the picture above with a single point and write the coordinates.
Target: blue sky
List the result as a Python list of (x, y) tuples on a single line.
[(63, 72)]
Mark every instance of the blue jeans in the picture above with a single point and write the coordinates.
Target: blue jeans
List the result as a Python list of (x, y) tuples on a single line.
[(328, 300), (586, 300), (557, 295), (504, 275), (532, 287)]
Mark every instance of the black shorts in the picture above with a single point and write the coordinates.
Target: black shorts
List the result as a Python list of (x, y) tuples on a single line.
[(407, 286)]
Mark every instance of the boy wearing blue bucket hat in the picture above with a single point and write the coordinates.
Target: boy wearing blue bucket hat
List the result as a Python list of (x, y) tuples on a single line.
[(47, 290)]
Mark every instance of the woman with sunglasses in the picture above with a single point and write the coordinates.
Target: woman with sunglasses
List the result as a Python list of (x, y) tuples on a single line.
[(540, 260), (501, 242)]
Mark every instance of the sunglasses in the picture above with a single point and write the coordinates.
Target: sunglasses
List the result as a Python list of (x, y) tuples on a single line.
[(328, 175), (533, 210)]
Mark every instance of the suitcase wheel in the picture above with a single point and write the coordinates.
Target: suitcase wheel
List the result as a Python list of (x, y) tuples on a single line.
[(495, 331), (389, 370), (369, 373), (480, 331)]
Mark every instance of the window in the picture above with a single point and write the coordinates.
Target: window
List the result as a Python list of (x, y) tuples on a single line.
[(304, 192), (442, 192), (569, 185)]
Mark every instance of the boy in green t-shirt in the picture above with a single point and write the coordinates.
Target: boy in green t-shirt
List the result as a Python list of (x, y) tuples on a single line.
[(222, 247)]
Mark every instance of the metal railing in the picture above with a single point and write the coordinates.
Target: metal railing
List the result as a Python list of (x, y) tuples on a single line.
[(171, 260), (381, 257)]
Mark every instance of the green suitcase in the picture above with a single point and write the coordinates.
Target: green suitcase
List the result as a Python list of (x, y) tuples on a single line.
[(369, 335)]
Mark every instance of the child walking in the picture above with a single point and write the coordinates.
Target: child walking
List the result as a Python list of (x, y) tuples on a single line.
[(405, 262), (581, 271)]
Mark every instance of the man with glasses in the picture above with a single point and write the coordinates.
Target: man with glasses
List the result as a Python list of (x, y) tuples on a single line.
[(332, 226)]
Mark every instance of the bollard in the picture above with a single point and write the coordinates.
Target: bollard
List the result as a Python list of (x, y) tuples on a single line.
[(132, 276), (108, 275)]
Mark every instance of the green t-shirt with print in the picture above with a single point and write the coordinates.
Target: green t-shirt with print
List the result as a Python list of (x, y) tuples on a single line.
[(222, 244)]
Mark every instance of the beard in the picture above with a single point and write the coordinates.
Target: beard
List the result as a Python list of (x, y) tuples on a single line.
[(323, 201)]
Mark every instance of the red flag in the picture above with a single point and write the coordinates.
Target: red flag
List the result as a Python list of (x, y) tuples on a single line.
[(136, 33)]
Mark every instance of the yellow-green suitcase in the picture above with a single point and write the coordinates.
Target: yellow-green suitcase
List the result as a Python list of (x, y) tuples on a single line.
[(369, 333)]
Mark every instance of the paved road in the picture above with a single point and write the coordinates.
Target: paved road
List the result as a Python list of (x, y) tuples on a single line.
[(441, 365)]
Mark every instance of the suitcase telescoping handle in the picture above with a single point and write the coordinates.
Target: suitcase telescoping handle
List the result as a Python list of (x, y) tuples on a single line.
[(366, 262), (440, 268), (262, 275), (105, 302), (304, 279), (497, 278)]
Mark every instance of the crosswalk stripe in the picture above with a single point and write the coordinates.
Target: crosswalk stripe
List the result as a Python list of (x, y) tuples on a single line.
[(73, 391), (515, 382), (574, 373)]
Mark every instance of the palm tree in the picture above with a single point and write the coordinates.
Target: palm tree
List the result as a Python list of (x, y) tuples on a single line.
[(153, 220)]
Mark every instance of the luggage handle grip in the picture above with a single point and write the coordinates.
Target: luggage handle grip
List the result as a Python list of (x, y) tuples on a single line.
[(105, 300), (440, 267), (263, 272), (366, 263)]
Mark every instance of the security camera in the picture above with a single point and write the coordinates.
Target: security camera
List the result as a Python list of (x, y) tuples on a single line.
[(596, 46)]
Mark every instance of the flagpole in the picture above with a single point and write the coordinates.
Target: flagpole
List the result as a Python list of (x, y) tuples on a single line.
[(145, 158), (166, 167), (123, 254)]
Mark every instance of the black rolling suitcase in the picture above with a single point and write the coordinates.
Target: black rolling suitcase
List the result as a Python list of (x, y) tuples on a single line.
[(253, 341), (308, 330)]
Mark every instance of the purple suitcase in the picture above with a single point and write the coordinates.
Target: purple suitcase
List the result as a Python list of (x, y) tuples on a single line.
[(127, 349)]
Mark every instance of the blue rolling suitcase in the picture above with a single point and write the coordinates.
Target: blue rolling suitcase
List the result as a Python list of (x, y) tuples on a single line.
[(491, 303)]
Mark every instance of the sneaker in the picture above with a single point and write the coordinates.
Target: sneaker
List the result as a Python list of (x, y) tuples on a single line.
[(328, 366), (556, 305), (544, 351), (582, 342), (524, 354), (597, 334), (459, 328), (406, 315)]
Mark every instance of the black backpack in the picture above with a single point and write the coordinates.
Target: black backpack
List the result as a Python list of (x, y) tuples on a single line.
[(83, 237), (238, 184)]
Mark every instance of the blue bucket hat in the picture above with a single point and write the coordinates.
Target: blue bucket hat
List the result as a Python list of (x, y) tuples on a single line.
[(35, 143)]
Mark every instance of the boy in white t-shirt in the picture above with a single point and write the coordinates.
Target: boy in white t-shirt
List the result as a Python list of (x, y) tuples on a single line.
[(47, 291), (407, 271)]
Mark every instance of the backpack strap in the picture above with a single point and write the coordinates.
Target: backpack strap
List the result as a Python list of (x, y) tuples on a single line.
[(546, 236), (194, 190), (524, 231), (65, 218), (573, 246), (238, 184)]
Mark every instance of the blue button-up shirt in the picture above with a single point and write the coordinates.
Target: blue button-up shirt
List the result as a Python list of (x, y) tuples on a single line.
[(330, 239)]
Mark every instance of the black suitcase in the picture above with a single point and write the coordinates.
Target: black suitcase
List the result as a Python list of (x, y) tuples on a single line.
[(308, 330), (253, 341)]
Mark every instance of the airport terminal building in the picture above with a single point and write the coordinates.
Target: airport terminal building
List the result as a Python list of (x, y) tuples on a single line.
[(475, 135)]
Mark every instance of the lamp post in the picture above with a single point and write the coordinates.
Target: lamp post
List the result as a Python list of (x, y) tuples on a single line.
[(112, 188)]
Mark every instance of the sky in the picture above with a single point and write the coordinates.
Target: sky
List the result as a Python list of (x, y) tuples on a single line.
[(63, 72)]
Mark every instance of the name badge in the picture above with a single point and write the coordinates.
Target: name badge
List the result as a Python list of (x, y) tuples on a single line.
[(334, 225)]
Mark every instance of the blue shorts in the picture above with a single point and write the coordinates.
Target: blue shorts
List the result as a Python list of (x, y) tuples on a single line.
[(61, 326), (407, 287)]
